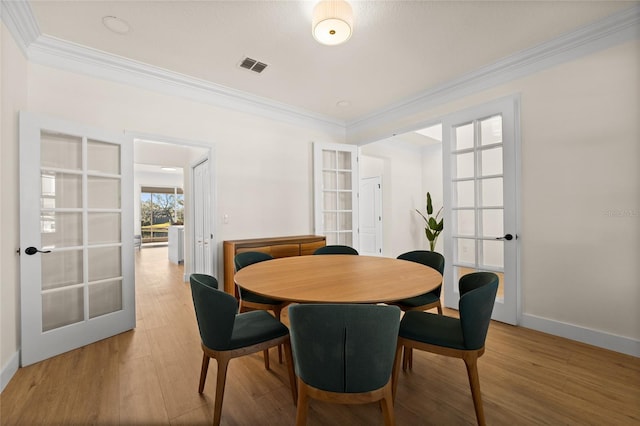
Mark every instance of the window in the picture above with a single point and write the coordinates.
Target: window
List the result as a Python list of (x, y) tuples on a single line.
[(160, 208)]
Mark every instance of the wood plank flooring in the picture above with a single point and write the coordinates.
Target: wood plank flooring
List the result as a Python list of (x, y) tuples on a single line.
[(149, 376)]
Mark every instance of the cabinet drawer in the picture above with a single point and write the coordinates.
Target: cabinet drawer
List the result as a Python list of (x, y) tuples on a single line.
[(285, 250)]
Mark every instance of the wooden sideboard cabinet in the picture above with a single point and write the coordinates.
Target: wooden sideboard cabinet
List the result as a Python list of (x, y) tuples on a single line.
[(300, 245)]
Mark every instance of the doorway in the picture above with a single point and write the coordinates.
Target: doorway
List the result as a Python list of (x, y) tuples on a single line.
[(162, 162)]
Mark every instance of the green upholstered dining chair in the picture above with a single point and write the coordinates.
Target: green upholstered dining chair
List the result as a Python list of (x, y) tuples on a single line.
[(345, 353), (424, 301), (226, 334), (250, 300), (462, 337), (336, 249)]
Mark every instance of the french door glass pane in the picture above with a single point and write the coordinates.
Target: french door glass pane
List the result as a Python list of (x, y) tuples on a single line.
[(60, 190), (493, 253), (344, 180), (345, 221), (104, 263), (61, 269), (329, 180), (62, 307), (344, 160), (464, 137), (492, 161), (330, 221), (466, 249), (491, 192), (491, 130), (329, 159), (465, 222), (60, 151), (465, 193), (104, 228), (330, 202), (492, 223), (344, 201), (103, 157), (103, 193), (105, 297), (465, 167), (60, 229)]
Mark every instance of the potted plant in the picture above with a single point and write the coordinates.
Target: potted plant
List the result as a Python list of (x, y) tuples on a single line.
[(432, 227)]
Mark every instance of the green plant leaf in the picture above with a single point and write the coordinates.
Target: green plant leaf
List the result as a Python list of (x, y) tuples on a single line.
[(429, 205), (440, 225), (430, 235)]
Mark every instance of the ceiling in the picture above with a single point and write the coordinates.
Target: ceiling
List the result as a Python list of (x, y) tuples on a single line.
[(398, 50)]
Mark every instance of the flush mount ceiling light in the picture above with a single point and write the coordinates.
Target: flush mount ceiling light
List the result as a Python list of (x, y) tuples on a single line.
[(332, 22), (116, 25)]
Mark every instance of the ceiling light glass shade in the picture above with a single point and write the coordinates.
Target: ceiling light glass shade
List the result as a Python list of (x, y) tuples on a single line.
[(332, 22)]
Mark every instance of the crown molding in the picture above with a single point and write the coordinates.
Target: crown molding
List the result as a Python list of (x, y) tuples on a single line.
[(617, 28), (20, 21)]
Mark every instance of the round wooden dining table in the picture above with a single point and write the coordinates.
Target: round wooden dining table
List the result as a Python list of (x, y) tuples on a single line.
[(338, 279)]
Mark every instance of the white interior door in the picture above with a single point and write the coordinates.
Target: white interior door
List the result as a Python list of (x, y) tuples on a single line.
[(371, 216), (480, 199), (336, 193), (203, 255), (76, 236)]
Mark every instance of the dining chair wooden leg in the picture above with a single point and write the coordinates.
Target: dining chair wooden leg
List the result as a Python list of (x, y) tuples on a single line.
[(396, 370), (303, 404), (386, 403), (278, 314), (223, 363), (471, 362), (407, 358), (439, 307), (292, 375), (266, 359), (203, 372)]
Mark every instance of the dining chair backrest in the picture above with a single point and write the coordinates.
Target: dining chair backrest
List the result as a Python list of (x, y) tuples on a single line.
[(432, 259), (344, 348), (205, 279), (247, 258), (336, 249), (215, 313), (477, 297)]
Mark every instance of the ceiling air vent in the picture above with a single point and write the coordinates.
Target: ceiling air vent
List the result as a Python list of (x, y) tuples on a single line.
[(253, 65)]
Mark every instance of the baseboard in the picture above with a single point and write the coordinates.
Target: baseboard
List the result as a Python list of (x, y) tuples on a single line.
[(9, 370), (597, 338)]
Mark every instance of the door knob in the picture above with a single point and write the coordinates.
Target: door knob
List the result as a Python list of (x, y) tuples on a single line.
[(32, 250), (507, 237)]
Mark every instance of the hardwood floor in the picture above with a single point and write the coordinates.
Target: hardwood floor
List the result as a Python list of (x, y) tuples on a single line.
[(149, 376)]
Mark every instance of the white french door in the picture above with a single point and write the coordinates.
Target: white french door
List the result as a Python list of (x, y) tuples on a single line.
[(481, 203), (76, 236), (371, 216), (203, 257), (336, 193)]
